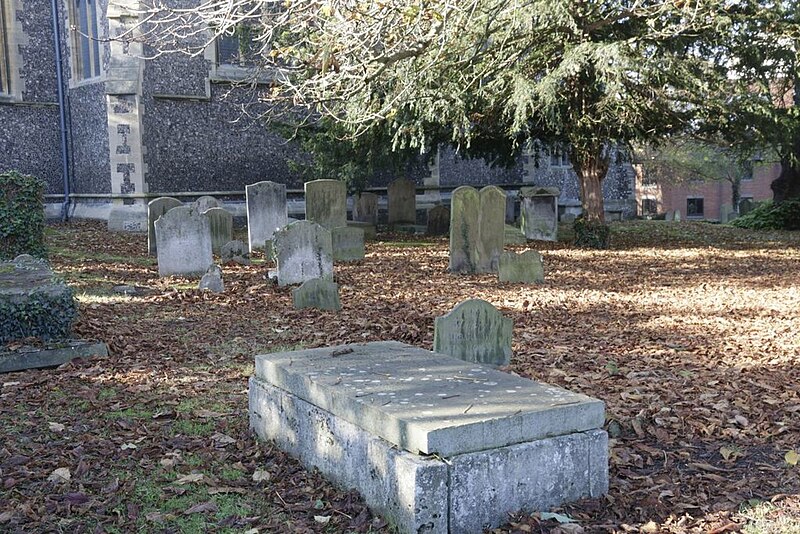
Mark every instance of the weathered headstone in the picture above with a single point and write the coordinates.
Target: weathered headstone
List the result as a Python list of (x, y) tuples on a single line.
[(365, 208), (303, 251), (267, 212), (348, 243), (477, 226), (438, 220), (677, 216), (668, 216), (326, 203), (568, 218), (539, 212), (514, 236), (402, 197), (221, 223), (155, 209), (726, 214), (525, 268), (474, 331), (236, 252), (317, 293), (183, 237), (212, 280), (370, 232), (512, 199), (205, 203)]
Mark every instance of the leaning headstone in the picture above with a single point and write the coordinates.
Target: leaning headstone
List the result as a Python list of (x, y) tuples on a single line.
[(317, 293), (212, 280), (477, 225), (474, 331), (205, 203), (183, 238), (303, 251), (539, 212), (365, 208), (438, 220), (155, 209), (235, 252), (267, 212), (221, 222), (347, 243), (402, 197), (677, 216), (525, 268), (326, 203)]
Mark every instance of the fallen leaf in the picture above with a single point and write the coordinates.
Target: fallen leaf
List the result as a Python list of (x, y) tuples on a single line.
[(261, 475), (792, 457), (60, 475), (222, 439), (322, 519), (561, 518), (126, 446), (208, 506), (55, 427), (189, 479)]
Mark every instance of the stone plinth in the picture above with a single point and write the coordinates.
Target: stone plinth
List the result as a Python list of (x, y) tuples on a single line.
[(433, 443)]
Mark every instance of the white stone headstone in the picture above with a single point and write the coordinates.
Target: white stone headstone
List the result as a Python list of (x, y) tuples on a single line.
[(303, 251), (183, 237), (267, 212), (155, 209)]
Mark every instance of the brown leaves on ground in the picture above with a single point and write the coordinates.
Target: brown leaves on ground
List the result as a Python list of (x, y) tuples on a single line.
[(688, 332)]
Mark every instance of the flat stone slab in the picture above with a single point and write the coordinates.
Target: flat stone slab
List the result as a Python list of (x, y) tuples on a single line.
[(429, 403), (49, 356)]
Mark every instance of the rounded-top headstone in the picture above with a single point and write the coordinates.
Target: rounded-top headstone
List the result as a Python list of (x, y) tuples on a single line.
[(155, 209), (474, 331), (206, 202)]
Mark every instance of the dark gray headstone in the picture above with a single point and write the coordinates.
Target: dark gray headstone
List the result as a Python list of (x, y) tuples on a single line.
[(438, 221), (539, 212), (220, 221), (474, 331), (317, 293), (184, 242), (402, 197), (205, 203), (303, 251), (525, 268), (365, 208), (477, 228), (155, 209), (236, 252), (348, 243), (326, 203), (267, 212)]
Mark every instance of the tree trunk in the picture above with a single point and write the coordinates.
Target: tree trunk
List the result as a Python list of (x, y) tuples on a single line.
[(787, 185), (736, 192), (591, 171)]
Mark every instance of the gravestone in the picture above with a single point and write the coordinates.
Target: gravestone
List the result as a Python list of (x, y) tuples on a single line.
[(205, 203), (514, 236), (326, 203), (677, 216), (474, 331), (317, 293), (402, 196), (525, 268), (668, 216), (365, 208), (155, 209), (236, 252), (267, 212), (539, 212), (438, 221), (183, 237), (512, 199), (568, 218), (477, 227), (370, 232), (212, 280), (726, 213), (347, 243), (220, 221), (303, 251)]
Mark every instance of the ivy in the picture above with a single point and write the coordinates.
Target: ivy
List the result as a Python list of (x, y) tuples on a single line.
[(769, 216), (590, 234), (47, 315), (21, 216)]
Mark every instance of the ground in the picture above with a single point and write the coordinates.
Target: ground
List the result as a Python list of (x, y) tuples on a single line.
[(688, 332)]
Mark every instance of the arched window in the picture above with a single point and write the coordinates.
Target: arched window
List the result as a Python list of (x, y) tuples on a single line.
[(5, 48), (85, 44)]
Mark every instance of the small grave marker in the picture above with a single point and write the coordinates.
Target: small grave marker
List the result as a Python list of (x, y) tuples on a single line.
[(317, 293), (474, 331)]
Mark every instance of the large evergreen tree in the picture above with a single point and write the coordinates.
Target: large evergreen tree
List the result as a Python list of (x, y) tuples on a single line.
[(591, 75)]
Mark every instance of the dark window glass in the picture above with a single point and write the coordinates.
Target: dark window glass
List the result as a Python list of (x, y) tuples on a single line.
[(694, 207), (649, 206), (237, 49)]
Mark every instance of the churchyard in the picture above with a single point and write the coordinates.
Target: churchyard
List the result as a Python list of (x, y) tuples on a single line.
[(687, 331)]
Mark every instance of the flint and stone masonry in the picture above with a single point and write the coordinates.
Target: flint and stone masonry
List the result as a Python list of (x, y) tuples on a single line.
[(434, 444)]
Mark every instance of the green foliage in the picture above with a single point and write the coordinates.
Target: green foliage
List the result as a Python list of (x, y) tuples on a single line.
[(590, 234), (769, 216), (21, 216), (43, 314)]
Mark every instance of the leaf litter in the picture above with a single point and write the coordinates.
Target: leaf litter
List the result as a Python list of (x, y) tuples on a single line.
[(687, 331)]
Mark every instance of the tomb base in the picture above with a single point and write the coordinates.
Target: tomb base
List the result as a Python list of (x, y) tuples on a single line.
[(297, 401)]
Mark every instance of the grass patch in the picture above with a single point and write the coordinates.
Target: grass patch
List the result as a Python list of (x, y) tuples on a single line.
[(189, 427), (766, 518), (134, 412)]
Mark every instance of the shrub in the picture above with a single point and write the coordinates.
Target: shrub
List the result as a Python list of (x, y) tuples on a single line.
[(21, 216), (591, 235), (769, 216)]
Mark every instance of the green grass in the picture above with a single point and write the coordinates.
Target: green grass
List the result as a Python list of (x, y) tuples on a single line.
[(135, 412), (189, 427), (766, 518)]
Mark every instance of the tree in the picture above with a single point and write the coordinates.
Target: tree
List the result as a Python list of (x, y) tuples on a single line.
[(591, 75), (685, 160)]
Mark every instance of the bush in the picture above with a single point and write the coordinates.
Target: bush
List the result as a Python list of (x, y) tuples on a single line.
[(21, 216), (769, 216), (591, 235), (44, 315)]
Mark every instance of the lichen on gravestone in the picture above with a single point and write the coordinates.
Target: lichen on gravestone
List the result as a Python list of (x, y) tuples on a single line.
[(474, 331), (525, 268), (317, 293)]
